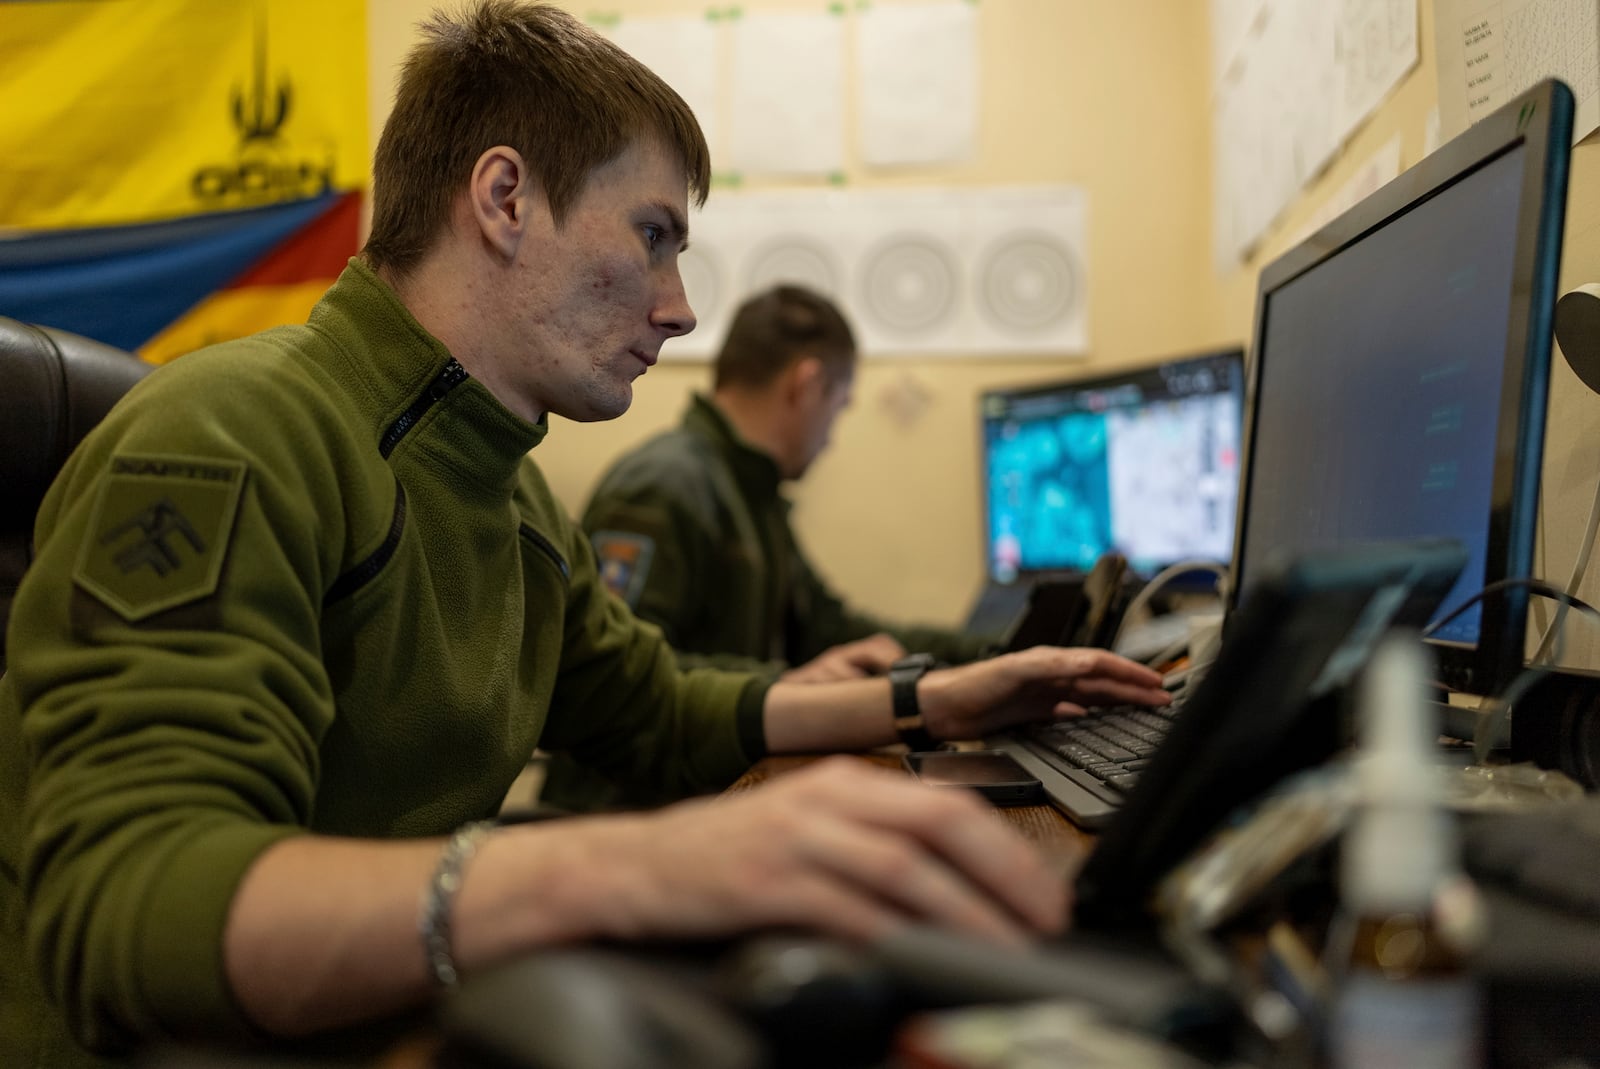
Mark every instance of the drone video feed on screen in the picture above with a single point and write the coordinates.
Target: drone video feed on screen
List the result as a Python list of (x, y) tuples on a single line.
[(1146, 463)]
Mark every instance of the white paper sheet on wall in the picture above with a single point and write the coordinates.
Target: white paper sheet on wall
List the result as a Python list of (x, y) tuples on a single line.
[(1432, 135), (787, 93), (917, 80), (1378, 46), (1299, 71), (740, 243), (1299, 77), (979, 271), (1232, 24), (1271, 121), (683, 51), (1030, 270), (1491, 50)]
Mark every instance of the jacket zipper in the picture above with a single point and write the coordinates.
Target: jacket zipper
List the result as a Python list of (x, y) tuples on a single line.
[(548, 549), (449, 377), (368, 570)]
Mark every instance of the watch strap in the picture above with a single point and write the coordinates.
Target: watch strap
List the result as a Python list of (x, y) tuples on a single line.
[(904, 675)]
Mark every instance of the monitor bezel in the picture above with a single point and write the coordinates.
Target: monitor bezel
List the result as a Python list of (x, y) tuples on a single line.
[(1088, 380), (1539, 121)]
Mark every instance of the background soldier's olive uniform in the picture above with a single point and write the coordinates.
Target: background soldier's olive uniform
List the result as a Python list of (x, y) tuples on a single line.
[(692, 530), (725, 576)]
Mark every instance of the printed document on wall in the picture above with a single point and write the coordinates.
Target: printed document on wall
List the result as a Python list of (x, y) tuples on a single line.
[(1491, 50), (1275, 119), (1378, 47), (1292, 83), (917, 75), (683, 51), (1232, 23), (788, 93)]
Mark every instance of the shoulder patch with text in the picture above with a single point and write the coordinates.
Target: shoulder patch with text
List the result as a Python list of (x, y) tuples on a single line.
[(159, 532), (624, 559)]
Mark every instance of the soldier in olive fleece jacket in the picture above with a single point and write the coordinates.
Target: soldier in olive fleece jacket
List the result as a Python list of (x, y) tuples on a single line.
[(343, 517)]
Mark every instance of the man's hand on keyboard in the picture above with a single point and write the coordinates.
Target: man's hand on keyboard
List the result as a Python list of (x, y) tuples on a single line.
[(1042, 683)]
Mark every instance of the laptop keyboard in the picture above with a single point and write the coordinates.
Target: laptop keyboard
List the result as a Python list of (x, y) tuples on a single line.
[(1111, 745)]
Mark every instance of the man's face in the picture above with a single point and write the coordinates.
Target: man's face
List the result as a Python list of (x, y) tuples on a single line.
[(600, 293), (830, 397)]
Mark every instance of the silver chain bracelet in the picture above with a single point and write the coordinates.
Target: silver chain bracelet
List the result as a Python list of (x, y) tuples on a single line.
[(438, 900)]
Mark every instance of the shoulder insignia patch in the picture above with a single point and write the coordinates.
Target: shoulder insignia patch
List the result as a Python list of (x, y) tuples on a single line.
[(159, 532), (624, 559)]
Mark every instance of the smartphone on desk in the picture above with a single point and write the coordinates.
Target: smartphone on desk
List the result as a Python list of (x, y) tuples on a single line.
[(992, 773)]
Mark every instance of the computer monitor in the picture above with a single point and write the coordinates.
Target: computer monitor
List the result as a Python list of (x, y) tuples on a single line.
[(1143, 461), (1399, 373)]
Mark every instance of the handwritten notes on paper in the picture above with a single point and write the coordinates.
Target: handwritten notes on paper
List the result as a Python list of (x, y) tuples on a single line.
[(1292, 81)]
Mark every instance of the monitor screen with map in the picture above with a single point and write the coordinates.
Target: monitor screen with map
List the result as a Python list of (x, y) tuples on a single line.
[(1144, 461)]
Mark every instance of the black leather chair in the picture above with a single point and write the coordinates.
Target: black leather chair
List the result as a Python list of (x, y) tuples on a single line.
[(54, 387)]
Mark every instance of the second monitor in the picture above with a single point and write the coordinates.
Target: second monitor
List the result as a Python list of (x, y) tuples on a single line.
[(1142, 461)]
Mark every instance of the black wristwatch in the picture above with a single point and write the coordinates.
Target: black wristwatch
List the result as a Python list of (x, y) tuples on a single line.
[(904, 675)]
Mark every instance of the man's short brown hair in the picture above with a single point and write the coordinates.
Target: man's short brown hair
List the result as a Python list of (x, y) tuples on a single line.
[(527, 76), (773, 329)]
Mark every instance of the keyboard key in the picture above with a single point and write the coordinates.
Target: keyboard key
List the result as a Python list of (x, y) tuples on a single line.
[(1117, 737), (1151, 721), (1081, 756), (1094, 786), (1107, 750)]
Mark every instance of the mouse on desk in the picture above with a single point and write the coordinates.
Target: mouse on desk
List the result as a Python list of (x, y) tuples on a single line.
[(592, 1009), (815, 1001)]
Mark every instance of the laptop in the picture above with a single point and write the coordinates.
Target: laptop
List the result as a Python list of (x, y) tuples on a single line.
[(1272, 704)]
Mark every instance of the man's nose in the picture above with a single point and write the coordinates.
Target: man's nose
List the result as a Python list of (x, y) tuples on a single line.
[(672, 312)]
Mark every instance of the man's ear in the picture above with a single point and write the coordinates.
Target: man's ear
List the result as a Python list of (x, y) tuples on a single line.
[(806, 379), (500, 196)]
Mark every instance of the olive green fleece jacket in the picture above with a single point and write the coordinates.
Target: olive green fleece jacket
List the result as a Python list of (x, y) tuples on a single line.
[(303, 582)]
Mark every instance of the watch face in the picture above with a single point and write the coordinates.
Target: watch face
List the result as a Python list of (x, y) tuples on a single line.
[(914, 662)]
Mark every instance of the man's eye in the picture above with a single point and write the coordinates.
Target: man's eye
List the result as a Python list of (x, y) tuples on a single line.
[(653, 234)]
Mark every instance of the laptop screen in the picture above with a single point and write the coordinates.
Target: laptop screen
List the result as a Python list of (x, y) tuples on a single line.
[(1142, 461)]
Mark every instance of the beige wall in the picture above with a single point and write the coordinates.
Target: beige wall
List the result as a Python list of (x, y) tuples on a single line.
[(1113, 97)]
